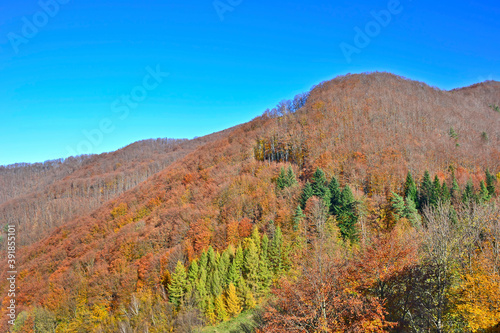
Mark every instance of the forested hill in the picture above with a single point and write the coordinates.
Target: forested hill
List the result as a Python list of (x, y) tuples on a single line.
[(322, 176)]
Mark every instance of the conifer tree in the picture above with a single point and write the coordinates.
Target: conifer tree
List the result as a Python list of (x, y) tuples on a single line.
[(251, 265), (411, 212), (265, 276), (425, 190), (242, 289), (202, 263), (193, 272), (335, 196), (468, 194), (398, 206), (250, 300), (211, 259), (210, 312), (306, 194), (220, 309), (347, 217), (275, 252), (281, 182), (233, 274), (178, 285), (320, 187), (256, 237), (445, 193), (290, 176), (410, 187), (224, 264), (215, 283), (298, 217), (436, 192), (232, 301), (484, 195), (455, 190), (238, 258), (490, 183)]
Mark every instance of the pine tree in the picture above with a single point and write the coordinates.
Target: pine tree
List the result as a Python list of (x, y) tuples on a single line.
[(290, 177), (347, 217), (275, 252), (178, 285), (490, 183), (220, 309), (484, 195), (238, 258), (445, 193), (468, 194), (306, 194), (211, 259), (232, 301), (436, 192), (215, 283), (455, 190), (319, 186), (265, 276), (281, 182), (233, 274), (250, 300), (298, 217), (251, 265), (202, 264), (335, 196), (242, 289), (410, 187), (224, 264), (411, 212), (193, 272), (398, 206), (425, 190)]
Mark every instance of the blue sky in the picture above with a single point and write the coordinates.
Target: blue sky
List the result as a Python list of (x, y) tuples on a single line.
[(65, 68)]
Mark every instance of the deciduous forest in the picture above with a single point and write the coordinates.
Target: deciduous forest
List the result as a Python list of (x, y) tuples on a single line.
[(368, 204)]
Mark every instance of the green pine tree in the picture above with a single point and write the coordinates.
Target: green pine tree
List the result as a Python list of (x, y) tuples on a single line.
[(436, 192), (335, 196), (490, 183), (298, 217), (215, 283), (202, 262), (233, 274), (178, 285), (275, 252), (468, 194), (265, 275), (251, 265), (320, 187), (484, 195), (290, 176), (281, 182), (410, 187), (425, 193), (238, 258), (398, 206), (211, 259), (411, 212), (455, 190), (306, 194), (193, 272), (347, 217), (445, 193)]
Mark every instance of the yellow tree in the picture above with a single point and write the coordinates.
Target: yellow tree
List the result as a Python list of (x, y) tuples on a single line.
[(232, 301)]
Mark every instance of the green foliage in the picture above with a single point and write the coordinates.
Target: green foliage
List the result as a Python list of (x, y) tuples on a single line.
[(347, 217), (220, 309), (410, 188), (286, 179), (452, 133), (251, 265), (483, 195), (426, 189), (306, 194), (319, 186), (178, 285), (455, 190), (411, 212), (398, 206), (445, 193), (276, 252), (490, 183), (436, 195), (468, 194), (298, 217)]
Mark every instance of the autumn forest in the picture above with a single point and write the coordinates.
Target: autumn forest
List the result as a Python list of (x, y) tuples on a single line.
[(368, 204)]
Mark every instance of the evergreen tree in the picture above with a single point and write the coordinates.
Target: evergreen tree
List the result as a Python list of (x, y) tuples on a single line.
[(211, 259), (275, 252), (319, 186), (468, 194), (250, 300), (425, 190), (193, 272), (251, 265), (398, 206), (202, 263), (290, 176), (215, 283), (347, 217), (233, 274), (445, 193), (410, 187), (238, 258), (224, 264), (178, 285), (335, 196), (242, 289), (306, 194), (232, 301), (484, 195), (436, 192), (256, 237), (411, 212), (298, 217), (490, 183), (281, 182), (455, 190), (265, 276), (220, 309)]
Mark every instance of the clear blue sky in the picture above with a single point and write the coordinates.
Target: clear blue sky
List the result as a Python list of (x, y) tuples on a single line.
[(68, 77)]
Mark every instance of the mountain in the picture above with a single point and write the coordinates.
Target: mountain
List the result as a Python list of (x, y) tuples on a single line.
[(112, 225)]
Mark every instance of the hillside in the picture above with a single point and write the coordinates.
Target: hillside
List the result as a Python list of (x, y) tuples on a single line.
[(366, 130)]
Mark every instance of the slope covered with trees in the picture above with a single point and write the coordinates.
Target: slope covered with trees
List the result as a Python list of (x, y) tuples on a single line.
[(367, 205)]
